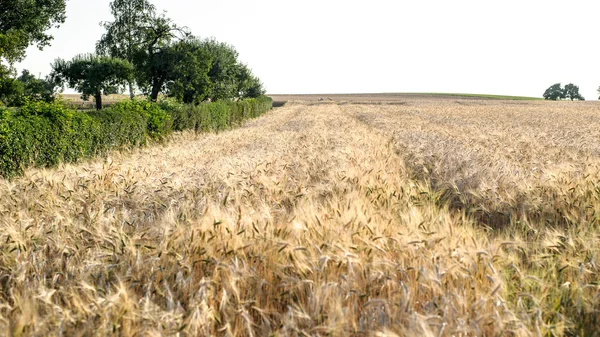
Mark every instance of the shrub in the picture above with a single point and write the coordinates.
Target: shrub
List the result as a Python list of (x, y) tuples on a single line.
[(158, 122), (44, 134), (119, 128), (217, 116)]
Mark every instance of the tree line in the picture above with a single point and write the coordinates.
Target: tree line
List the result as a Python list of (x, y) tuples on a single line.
[(141, 51)]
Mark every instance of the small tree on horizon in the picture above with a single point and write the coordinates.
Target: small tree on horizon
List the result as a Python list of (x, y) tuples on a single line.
[(571, 92), (554, 92)]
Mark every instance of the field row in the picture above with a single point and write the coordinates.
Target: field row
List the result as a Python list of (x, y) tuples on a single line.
[(425, 217)]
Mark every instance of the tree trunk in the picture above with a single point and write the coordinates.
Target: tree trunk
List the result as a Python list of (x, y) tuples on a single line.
[(156, 85), (98, 97), (131, 96)]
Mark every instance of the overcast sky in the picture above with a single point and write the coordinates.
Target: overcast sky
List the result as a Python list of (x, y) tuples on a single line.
[(489, 47)]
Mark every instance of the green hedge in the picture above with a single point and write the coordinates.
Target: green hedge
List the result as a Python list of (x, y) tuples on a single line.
[(44, 134), (216, 116)]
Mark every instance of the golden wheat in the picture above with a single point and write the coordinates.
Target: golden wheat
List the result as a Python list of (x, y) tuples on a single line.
[(427, 218)]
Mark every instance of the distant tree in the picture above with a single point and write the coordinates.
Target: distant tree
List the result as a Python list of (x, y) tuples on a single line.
[(554, 92), (126, 35), (92, 75), (598, 92), (572, 92), (37, 89)]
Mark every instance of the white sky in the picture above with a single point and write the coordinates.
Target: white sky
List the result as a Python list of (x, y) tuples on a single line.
[(330, 46)]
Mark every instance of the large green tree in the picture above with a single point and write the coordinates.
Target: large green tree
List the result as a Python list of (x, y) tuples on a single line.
[(24, 23), (93, 75), (153, 62), (196, 70), (225, 70), (188, 79), (126, 35)]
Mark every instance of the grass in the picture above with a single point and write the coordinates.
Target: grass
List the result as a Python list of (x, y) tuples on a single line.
[(432, 218)]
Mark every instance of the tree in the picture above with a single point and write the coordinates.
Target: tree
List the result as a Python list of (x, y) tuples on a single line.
[(188, 79), (92, 75), (225, 70), (572, 92), (249, 86), (126, 35), (10, 89), (36, 89), (554, 92), (153, 62), (23, 23)]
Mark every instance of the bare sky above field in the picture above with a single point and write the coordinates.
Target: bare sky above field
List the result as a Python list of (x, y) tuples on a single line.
[(502, 47)]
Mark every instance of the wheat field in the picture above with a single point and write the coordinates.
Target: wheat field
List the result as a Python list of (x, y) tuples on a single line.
[(420, 217)]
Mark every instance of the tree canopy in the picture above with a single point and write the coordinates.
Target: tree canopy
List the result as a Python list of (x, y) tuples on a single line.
[(126, 35), (556, 92), (36, 89), (25, 22), (572, 92), (189, 64), (154, 60), (92, 75)]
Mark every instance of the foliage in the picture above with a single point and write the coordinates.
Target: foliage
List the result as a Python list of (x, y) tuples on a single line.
[(35, 89), (219, 115), (224, 70), (554, 92), (10, 89), (25, 22), (158, 122), (92, 75), (249, 86), (188, 67), (121, 127), (44, 134), (153, 60), (168, 59), (124, 37), (572, 92)]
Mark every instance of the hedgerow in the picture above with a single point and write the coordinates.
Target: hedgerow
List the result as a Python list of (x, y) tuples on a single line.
[(43, 134)]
